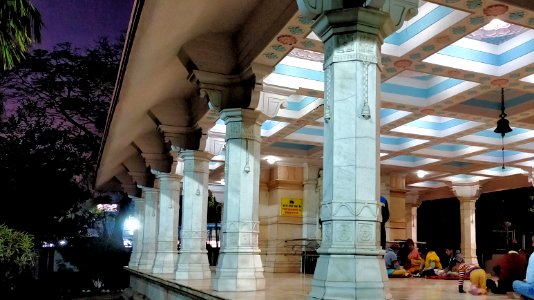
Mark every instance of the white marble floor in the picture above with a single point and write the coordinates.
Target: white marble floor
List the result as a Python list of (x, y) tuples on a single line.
[(289, 286)]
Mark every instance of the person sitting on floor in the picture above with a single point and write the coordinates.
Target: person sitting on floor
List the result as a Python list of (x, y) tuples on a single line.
[(431, 264), (526, 288), (512, 266), (454, 260), (393, 267), (477, 276), (414, 260)]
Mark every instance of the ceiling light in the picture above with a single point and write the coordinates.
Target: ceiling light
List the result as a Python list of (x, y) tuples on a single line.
[(421, 173), (270, 160), (503, 125)]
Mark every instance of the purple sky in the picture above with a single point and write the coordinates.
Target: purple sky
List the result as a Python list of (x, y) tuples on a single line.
[(81, 22)]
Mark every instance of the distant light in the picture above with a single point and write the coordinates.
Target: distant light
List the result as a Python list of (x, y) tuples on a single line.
[(108, 207), (127, 243), (48, 245), (421, 173), (131, 224), (62, 242), (271, 159), (496, 24)]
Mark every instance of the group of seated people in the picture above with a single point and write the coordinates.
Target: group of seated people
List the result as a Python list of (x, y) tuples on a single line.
[(418, 263), (513, 271)]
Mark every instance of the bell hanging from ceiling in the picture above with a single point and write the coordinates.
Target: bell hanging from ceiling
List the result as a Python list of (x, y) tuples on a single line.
[(503, 125)]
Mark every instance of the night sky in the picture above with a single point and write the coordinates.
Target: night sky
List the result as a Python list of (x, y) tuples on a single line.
[(81, 22)]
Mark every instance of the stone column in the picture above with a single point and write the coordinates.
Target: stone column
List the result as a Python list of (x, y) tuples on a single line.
[(351, 264), (193, 260), (264, 211), (239, 266), (468, 195), (137, 245), (412, 203), (150, 228), (169, 200), (396, 227), (284, 229), (310, 218)]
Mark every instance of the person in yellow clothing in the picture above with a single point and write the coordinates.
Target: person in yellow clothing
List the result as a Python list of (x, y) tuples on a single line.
[(431, 263), (477, 276)]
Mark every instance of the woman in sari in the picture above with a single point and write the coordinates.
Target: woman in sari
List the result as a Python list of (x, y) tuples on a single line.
[(414, 260)]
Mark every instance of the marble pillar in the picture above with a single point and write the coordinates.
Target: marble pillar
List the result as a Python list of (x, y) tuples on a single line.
[(265, 210), (137, 243), (167, 242), (239, 267), (150, 228), (351, 264), (468, 195), (311, 189), (412, 203), (193, 260), (396, 227), (283, 231)]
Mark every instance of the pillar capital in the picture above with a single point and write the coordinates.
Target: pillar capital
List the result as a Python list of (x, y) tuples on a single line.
[(195, 155), (130, 189), (184, 137), (242, 115), (397, 10), (166, 177), (412, 198), (243, 123), (148, 190), (177, 162), (397, 182), (224, 91), (466, 192), (140, 178), (156, 161)]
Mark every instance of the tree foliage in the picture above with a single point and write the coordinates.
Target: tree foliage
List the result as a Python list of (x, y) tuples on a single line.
[(17, 255), (20, 26), (56, 104)]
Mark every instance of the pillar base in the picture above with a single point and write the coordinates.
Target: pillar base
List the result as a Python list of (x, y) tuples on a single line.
[(192, 265), (146, 262), (349, 277), (471, 259), (282, 263), (165, 263), (238, 272)]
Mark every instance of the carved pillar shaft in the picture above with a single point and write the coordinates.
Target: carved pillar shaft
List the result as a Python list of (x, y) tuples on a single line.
[(311, 202), (350, 207), (137, 243), (283, 224), (167, 243), (350, 193), (396, 226), (468, 195), (239, 266), (468, 229), (150, 229), (193, 262), (412, 203)]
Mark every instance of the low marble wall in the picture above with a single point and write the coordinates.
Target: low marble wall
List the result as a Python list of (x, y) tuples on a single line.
[(148, 286)]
